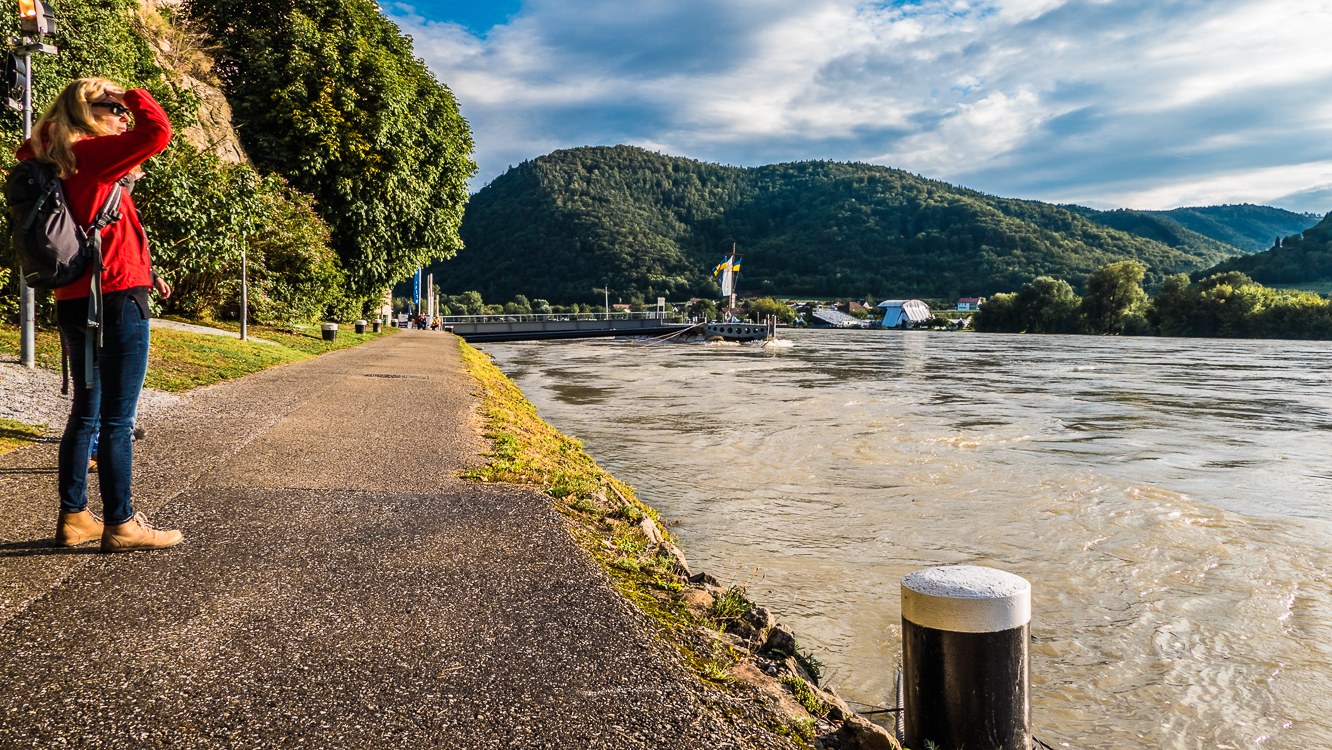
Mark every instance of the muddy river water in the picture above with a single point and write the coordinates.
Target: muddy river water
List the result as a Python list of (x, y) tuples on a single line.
[(1167, 498)]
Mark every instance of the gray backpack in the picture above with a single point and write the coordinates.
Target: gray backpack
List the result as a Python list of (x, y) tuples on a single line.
[(51, 249)]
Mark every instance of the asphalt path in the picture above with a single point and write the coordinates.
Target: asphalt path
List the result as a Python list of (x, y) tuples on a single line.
[(338, 587)]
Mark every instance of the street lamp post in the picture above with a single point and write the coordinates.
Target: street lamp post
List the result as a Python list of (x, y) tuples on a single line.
[(35, 21)]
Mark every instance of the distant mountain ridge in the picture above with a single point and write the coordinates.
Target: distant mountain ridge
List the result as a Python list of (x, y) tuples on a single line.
[(1245, 226), (1304, 258), (562, 226)]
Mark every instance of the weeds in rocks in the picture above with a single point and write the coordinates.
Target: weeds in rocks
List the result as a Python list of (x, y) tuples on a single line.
[(584, 505), (805, 697), (627, 564), (628, 512), (730, 605), (674, 587), (629, 546), (810, 663)]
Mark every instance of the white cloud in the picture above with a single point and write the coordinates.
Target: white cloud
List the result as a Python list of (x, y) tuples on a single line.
[(1035, 98), (1246, 186)]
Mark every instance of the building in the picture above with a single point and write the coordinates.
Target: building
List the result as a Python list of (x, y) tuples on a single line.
[(835, 319), (970, 303), (904, 313)]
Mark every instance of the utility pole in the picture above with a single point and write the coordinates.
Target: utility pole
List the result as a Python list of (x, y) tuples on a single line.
[(607, 291), (245, 295), (36, 20)]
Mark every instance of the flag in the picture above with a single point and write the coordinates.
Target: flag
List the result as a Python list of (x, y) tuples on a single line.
[(735, 266), (725, 265)]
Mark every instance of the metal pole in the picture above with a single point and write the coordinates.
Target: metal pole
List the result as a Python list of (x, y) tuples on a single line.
[(607, 290), (27, 299), (245, 297)]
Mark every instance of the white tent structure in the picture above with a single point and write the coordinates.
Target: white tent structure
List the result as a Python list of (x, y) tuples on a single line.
[(904, 313)]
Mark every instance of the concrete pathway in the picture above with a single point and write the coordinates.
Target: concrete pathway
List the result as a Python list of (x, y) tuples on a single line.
[(176, 325), (338, 587)]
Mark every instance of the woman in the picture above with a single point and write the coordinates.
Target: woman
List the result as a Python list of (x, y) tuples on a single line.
[(86, 135)]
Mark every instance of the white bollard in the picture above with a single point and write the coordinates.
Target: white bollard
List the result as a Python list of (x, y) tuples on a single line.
[(965, 659)]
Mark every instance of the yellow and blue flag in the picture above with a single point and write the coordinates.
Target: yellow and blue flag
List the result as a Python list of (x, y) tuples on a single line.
[(725, 264), (735, 266)]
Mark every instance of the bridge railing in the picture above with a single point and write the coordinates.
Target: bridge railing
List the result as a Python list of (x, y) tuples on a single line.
[(543, 317)]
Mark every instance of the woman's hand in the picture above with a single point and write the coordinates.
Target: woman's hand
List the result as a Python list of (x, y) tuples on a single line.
[(162, 287)]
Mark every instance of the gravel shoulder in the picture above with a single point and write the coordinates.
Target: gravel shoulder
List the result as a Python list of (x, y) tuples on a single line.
[(338, 586)]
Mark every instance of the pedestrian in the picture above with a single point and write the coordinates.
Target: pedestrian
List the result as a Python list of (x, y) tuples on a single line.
[(86, 135)]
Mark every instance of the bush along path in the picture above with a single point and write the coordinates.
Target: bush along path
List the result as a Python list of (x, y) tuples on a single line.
[(733, 644)]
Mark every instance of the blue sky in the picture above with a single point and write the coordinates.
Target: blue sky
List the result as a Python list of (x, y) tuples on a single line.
[(1110, 103)]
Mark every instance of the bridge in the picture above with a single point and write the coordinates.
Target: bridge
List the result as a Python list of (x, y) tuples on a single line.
[(484, 328)]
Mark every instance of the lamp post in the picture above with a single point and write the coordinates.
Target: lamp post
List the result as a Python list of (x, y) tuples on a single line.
[(35, 21)]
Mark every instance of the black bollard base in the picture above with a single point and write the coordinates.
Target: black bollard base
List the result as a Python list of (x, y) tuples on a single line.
[(965, 659), (969, 689)]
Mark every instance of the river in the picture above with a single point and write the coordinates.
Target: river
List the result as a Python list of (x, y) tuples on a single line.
[(1167, 498)]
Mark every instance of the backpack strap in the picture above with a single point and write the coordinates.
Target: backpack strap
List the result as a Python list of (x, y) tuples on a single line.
[(106, 216)]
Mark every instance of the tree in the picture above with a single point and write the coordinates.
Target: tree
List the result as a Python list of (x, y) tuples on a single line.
[(759, 309), (998, 314), (1047, 305), (1113, 292), (329, 94), (704, 308)]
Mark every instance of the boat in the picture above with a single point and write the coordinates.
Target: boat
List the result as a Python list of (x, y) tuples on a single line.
[(733, 330), (740, 331)]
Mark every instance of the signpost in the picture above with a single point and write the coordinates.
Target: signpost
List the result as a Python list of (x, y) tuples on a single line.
[(36, 20)]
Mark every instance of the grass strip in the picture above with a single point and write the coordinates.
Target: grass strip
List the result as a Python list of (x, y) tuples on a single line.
[(181, 360), (603, 515), (15, 434)]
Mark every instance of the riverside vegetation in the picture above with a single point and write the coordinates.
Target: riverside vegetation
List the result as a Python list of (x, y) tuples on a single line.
[(733, 645), (1221, 302)]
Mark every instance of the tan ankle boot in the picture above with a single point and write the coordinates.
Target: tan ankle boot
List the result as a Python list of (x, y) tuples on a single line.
[(136, 534), (73, 529)]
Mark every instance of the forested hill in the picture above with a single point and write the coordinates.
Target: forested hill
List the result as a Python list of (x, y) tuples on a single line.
[(1245, 226), (1299, 259), (560, 226)]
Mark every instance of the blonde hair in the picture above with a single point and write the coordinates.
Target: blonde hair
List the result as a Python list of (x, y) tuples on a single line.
[(70, 119)]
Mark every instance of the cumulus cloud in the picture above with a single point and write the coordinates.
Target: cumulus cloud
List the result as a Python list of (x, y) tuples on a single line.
[(1147, 103)]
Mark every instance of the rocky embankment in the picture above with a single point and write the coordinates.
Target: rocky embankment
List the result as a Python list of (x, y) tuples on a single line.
[(739, 642)]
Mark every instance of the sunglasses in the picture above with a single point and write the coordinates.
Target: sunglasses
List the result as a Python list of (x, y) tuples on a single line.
[(117, 109)]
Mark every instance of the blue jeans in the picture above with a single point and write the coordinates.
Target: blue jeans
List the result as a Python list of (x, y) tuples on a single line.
[(113, 396)]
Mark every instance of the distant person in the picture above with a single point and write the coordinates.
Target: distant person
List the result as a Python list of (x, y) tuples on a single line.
[(86, 135)]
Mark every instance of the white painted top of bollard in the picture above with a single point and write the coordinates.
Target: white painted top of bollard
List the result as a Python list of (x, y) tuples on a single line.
[(330, 326), (966, 599)]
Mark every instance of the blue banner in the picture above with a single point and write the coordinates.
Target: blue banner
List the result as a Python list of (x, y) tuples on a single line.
[(416, 288)]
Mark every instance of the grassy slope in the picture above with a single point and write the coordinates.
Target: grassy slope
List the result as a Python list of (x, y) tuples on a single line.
[(179, 361)]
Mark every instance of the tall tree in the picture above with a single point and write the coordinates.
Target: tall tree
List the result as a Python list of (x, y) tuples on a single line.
[(1047, 305), (1112, 293), (329, 94)]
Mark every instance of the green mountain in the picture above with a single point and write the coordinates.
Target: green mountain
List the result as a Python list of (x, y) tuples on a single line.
[(1244, 226), (561, 226), (1300, 259)]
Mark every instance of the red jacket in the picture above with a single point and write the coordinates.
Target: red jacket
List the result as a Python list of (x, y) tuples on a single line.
[(100, 162)]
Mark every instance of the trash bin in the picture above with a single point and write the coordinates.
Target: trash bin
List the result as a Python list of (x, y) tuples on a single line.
[(360, 326), (375, 327), (330, 331)]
